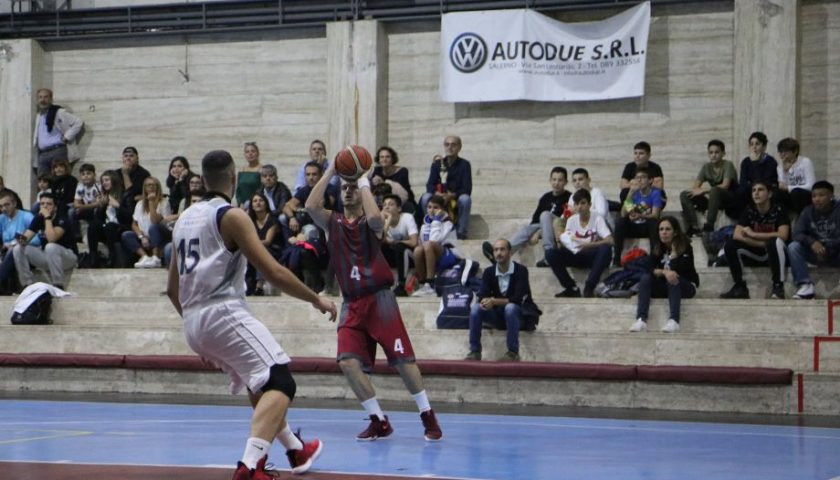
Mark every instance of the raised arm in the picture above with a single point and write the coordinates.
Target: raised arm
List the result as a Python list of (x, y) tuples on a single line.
[(315, 202)]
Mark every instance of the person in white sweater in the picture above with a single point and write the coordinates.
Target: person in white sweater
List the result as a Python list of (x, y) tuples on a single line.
[(796, 177), (435, 251)]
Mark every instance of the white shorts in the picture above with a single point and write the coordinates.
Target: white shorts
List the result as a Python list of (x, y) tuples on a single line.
[(227, 335)]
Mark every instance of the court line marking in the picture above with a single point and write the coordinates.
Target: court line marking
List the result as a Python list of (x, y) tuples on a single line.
[(58, 434)]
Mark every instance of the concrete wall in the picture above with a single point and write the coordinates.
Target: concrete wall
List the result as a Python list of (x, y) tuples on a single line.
[(276, 92)]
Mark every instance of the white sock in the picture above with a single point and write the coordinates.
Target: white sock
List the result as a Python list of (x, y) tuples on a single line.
[(289, 440), (422, 401), (372, 407), (255, 449)]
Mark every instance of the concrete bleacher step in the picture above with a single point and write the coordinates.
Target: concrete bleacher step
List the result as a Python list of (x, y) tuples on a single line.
[(586, 315), (764, 399)]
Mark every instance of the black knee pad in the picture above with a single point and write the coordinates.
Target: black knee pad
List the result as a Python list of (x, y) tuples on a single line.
[(280, 378)]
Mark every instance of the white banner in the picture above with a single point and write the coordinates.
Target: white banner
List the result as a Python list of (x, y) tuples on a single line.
[(524, 55)]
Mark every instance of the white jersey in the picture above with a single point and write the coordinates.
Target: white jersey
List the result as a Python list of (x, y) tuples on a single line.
[(208, 272)]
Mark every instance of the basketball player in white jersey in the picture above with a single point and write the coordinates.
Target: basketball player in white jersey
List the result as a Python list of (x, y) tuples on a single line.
[(212, 244)]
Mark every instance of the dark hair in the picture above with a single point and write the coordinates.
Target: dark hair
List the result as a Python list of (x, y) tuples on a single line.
[(8, 191), (251, 144), (582, 194), (131, 149), (117, 187), (315, 164), (679, 244), (823, 184), (49, 195), (198, 193), (716, 143), (581, 170), (788, 145), (760, 136), (642, 146), (170, 180), (45, 177), (395, 198), (439, 201), (63, 162), (560, 170), (770, 187), (644, 170), (87, 167), (319, 142), (251, 212), (394, 156), (214, 168)]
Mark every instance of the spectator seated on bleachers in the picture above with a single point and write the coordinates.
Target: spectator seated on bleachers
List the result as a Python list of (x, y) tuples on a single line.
[(796, 176), (88, 191), (759, 238), (451, 178), (63, 187), (43, 183), (816, 238), (387, 171), (399, 239), (639, 213), (178, 182), (599, 204), (758, 166), (111, 218), (13, 222), (317, 154), (672, 275), (271, 236), (504, 302), (722, 180), (552, 204), (275, 191), (196, 188), (436, 250), (149, 232), (586, 243), (56, 254), (133, 175), (641, 158)]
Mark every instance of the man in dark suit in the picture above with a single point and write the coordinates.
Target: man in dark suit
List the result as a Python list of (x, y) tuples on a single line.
[(504, 302)]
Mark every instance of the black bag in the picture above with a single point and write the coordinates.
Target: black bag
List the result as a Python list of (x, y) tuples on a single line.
[(462, 273), (38, 313), (455, 304)]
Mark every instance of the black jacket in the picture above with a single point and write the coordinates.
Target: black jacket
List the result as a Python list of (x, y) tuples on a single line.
[(518, 292)]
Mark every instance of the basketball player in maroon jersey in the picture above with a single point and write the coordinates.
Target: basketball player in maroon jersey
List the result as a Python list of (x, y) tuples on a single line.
[(370, 313)]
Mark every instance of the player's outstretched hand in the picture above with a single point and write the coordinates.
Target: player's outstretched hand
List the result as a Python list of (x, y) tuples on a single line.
[(325, 305)]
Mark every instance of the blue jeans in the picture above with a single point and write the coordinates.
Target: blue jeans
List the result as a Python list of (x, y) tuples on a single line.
[(658, 287), (507, 318), (464, 203), (800, 255), (596, 258), (158, 236)]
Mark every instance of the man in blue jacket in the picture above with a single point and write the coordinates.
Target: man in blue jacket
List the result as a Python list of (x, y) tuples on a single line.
[(504, 302), (816, 238)]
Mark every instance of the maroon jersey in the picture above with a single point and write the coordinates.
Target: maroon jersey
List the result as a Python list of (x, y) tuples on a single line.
[(356, 256)]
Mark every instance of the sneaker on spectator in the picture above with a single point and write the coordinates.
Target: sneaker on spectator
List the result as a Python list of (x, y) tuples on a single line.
[(509, 356), (739, 290), (543, 264), (143, 262), (432, 431), (804, 292), (154, 262), (639, 326), (473, 357), (425, 291), (573, 292), (399, 291), (377, 429), (778, 291), (487, 250), (301, 460), (671, 327)]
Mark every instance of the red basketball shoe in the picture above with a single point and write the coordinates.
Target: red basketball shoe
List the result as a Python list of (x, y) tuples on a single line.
[(301, 460), (430, 424), (377, 429)]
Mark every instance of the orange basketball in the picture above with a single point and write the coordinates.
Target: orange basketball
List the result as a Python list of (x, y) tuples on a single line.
[(352, 162)]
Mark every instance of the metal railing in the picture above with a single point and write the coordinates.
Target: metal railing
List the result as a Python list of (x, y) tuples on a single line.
[(244, 15)]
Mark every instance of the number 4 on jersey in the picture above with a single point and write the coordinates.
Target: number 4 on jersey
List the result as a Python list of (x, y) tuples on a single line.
[(398, 346), (354, 273)]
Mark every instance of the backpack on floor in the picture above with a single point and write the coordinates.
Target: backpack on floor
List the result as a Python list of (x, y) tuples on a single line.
[(624, 283), (455, 304), (37, 313)]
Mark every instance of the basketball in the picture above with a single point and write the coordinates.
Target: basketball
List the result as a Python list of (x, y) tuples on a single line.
[(352, 162)]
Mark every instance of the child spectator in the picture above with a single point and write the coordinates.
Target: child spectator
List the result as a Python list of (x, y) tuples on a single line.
[(816, 238), (757, 167), (44, 181), (85, 200), (148, 233), (63, 186), (598, 204), (587, 242), (639, 213), (435, 250), (796, 175), (722, 179), (672, 275), (760, 236), (400, 237), (641, 158), (551, 205)]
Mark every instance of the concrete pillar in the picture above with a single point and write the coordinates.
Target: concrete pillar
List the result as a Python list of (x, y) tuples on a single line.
[(766, 72), (21, 74), (357, 84)]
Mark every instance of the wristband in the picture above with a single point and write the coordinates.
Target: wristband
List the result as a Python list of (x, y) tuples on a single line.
[(363, 182)]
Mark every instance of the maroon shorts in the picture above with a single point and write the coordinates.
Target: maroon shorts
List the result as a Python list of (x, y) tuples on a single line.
[(370, 320)]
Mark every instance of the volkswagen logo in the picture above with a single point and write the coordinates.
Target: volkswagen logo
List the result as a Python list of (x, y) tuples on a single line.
[(468, 52)]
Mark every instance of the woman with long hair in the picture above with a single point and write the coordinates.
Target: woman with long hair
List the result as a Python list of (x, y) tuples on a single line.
[(148, 233), (269, 233), (248, 178), (111, 218), (178, 181), (671, 275)]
